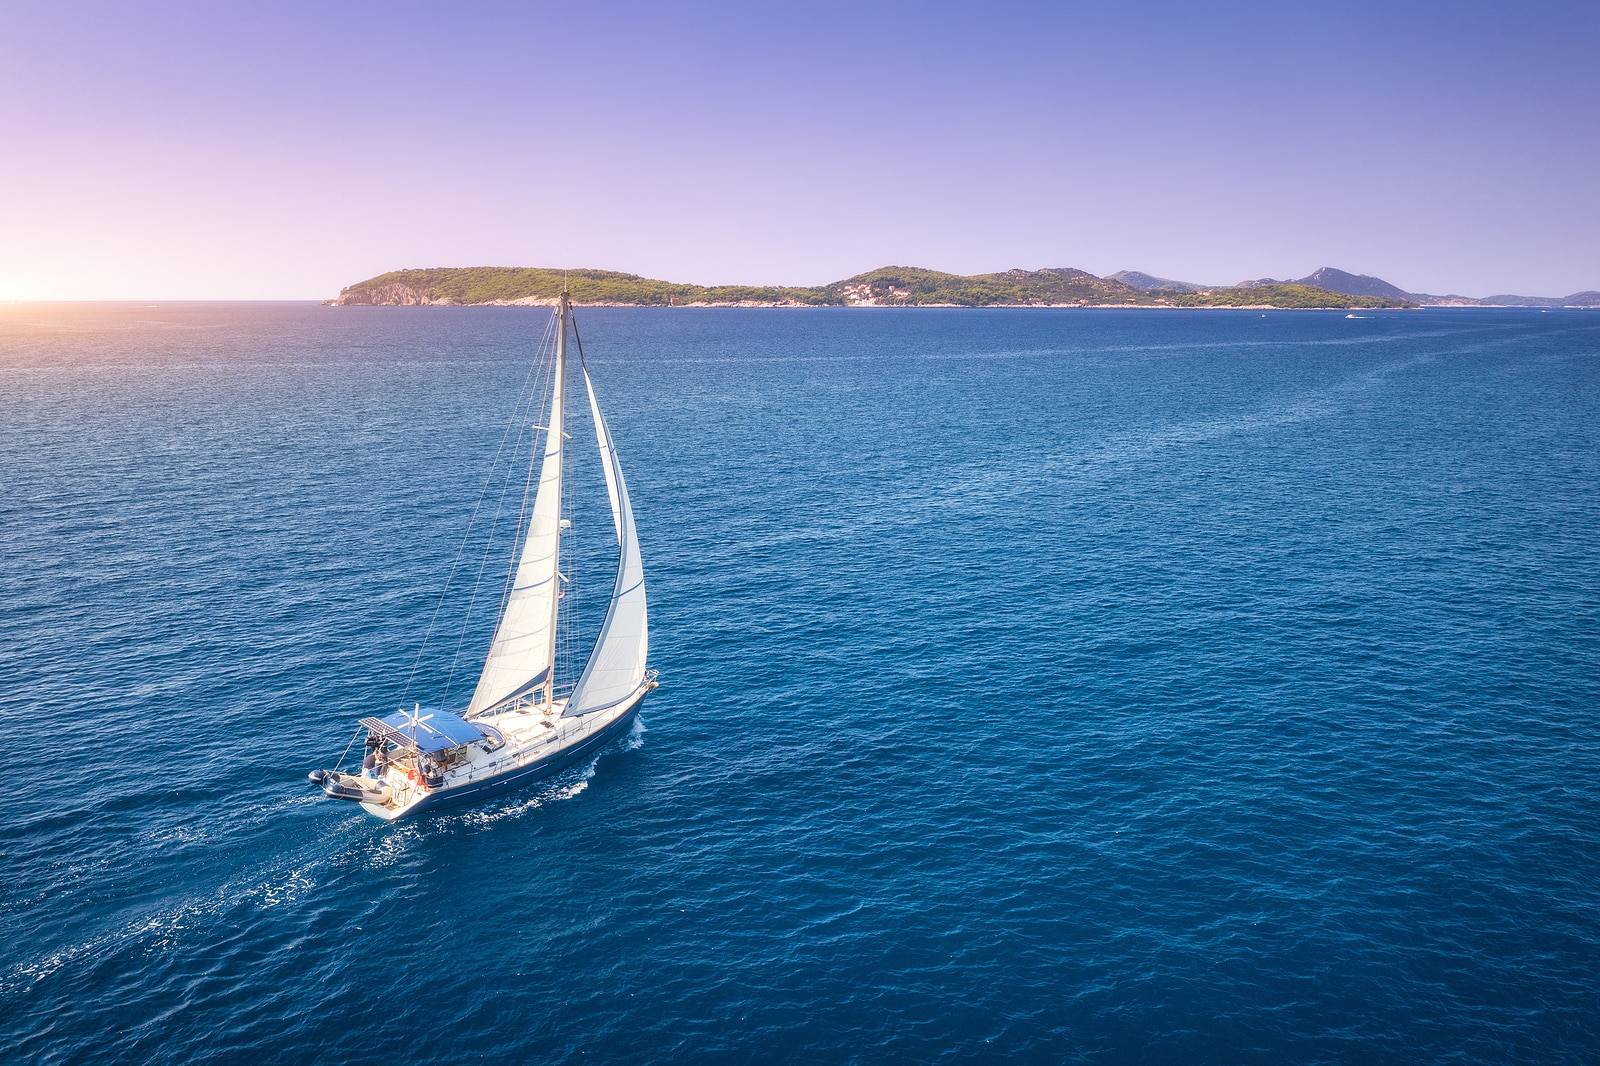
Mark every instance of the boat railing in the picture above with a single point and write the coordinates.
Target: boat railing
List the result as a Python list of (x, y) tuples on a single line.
[(560, 733)]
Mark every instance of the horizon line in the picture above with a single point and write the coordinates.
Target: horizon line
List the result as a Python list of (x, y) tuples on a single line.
[(14, 301)]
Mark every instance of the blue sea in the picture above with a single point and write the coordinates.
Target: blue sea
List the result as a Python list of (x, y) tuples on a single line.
[(1037, 685)]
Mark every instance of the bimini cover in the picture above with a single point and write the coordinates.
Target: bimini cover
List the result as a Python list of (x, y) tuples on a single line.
[(430, 731)]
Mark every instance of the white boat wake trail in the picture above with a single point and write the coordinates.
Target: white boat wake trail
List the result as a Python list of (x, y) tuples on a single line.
[(287, 878), (566, 785)]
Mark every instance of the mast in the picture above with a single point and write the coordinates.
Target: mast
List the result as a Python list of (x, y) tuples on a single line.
[(564, 313)]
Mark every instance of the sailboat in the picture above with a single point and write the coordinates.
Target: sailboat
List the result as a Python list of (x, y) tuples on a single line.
[(520, 724)]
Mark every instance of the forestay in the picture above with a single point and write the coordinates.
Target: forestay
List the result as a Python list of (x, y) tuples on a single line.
[(616, 668), (522, 654)]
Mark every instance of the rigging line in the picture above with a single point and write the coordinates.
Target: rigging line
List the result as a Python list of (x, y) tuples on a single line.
[(579, 340), (518, 535), (559, 323), (520, 412), (466, 537), (527, 488), (477, 584), (523, 533), (339, 766), (488, 546), (523, 397)]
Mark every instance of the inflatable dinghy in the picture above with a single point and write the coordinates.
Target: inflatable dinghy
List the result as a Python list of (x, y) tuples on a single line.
[(350, 787)]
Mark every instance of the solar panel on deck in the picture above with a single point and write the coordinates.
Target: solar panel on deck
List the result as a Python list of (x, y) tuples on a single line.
[(431, 731)]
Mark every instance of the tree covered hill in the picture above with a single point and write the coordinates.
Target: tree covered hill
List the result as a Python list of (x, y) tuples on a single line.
[(886, 286), (1150, 283)]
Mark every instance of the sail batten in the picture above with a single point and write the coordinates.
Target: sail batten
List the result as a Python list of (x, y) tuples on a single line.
[(522, 655), (616, 668)]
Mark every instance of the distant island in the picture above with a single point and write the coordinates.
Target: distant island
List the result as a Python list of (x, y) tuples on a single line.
[(1336, 280), (902, 287)]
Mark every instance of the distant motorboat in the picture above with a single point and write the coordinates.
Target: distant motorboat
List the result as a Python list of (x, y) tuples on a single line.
[(1354, 315), (521, 724)]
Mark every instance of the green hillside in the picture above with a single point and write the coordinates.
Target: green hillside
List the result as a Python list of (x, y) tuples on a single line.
[(482, 285), (1283, 294), (892, 286), (914, 285)]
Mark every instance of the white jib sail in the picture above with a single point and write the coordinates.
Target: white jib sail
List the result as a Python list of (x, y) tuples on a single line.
[(616, 668), (523, 651)]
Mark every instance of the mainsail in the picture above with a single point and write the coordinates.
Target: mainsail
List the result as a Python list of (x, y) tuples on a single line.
[(616, 668), (522, 655)]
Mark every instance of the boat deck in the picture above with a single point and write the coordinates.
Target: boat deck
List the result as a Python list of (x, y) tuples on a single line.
[(532, 733)]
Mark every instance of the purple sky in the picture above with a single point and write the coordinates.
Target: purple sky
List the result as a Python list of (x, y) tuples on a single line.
[(188, 150)]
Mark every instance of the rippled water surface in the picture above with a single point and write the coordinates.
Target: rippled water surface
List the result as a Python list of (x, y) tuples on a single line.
[(1161, 686)]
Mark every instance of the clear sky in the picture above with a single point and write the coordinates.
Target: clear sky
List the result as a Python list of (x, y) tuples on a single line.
[(267, 150)]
